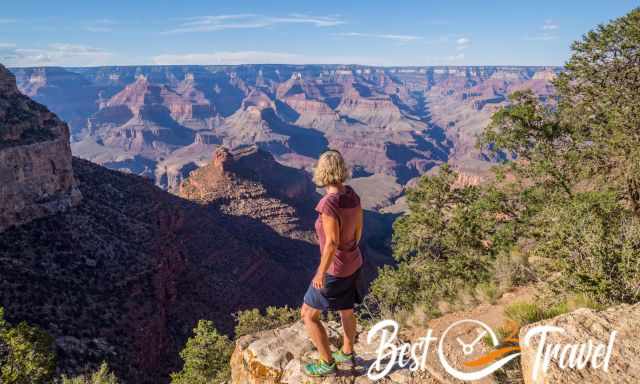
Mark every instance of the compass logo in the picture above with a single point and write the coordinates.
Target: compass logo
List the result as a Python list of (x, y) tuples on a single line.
[(491, 361), (414, 355)]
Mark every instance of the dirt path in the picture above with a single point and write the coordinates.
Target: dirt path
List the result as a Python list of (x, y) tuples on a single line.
[(489, 314)]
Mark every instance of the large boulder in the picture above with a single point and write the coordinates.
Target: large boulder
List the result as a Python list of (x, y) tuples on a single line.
[(579, 327), (278, 356)]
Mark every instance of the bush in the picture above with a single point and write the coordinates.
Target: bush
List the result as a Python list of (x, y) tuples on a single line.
[(26, 354), (253, 320), (4, 348), (101, 376), (446, 245), (206, 357), (594, 243), (524, 313)]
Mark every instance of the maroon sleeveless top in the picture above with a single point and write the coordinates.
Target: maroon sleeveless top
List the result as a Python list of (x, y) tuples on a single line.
[(344, 207)]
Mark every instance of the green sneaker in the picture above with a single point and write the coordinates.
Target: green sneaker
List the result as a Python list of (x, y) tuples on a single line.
[(320, 369), (341, 357)]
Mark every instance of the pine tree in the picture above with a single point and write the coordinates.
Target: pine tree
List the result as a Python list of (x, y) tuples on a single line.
[(206, 357), (26, 354)]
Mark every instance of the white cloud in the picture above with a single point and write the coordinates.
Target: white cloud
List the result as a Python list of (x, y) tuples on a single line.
[(7, 21), (265, 57), (549, 25), (401, 38), (548, 31), (260, 57), (463, 43), (58, 54), (249, 21), (238, 57), (318, 21)]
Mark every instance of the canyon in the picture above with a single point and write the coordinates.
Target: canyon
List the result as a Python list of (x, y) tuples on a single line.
[(392, 124)]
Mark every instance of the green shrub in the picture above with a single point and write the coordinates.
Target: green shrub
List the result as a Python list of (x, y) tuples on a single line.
[(253, 320), (594, 242), (102, 376), (26, 354), (524, 313), (206, 357), (583, 157), (448, 244), (488, 292)]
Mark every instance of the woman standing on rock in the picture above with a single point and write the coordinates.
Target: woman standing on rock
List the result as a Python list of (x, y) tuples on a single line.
[(338, 283)]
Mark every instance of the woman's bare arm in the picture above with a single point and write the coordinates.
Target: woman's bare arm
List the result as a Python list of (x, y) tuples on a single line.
[(331, 229)]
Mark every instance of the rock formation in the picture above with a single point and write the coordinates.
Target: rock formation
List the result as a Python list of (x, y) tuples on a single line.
[(249, 182), (146, 118), (36, 177), (581, 327)]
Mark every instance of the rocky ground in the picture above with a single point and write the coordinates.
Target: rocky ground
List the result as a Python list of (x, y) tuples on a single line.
[(588, 326), (277, 356)]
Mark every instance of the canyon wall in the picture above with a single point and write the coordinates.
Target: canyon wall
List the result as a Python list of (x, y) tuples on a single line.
[(36, 176)]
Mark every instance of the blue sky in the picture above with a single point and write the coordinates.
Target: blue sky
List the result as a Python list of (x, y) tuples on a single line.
[(373, 32)]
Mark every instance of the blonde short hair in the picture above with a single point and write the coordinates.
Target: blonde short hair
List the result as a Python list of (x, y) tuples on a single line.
[(331, 169)]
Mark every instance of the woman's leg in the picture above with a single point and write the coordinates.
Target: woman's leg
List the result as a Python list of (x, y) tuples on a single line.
[(348, 330), (316, 331)]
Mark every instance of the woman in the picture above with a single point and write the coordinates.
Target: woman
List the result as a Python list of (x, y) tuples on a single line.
[(337, 284)]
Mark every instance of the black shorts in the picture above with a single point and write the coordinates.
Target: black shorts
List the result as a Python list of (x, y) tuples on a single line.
[(339, 293)]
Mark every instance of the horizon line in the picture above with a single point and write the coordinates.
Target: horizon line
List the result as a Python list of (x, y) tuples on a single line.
[(288, 64)]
